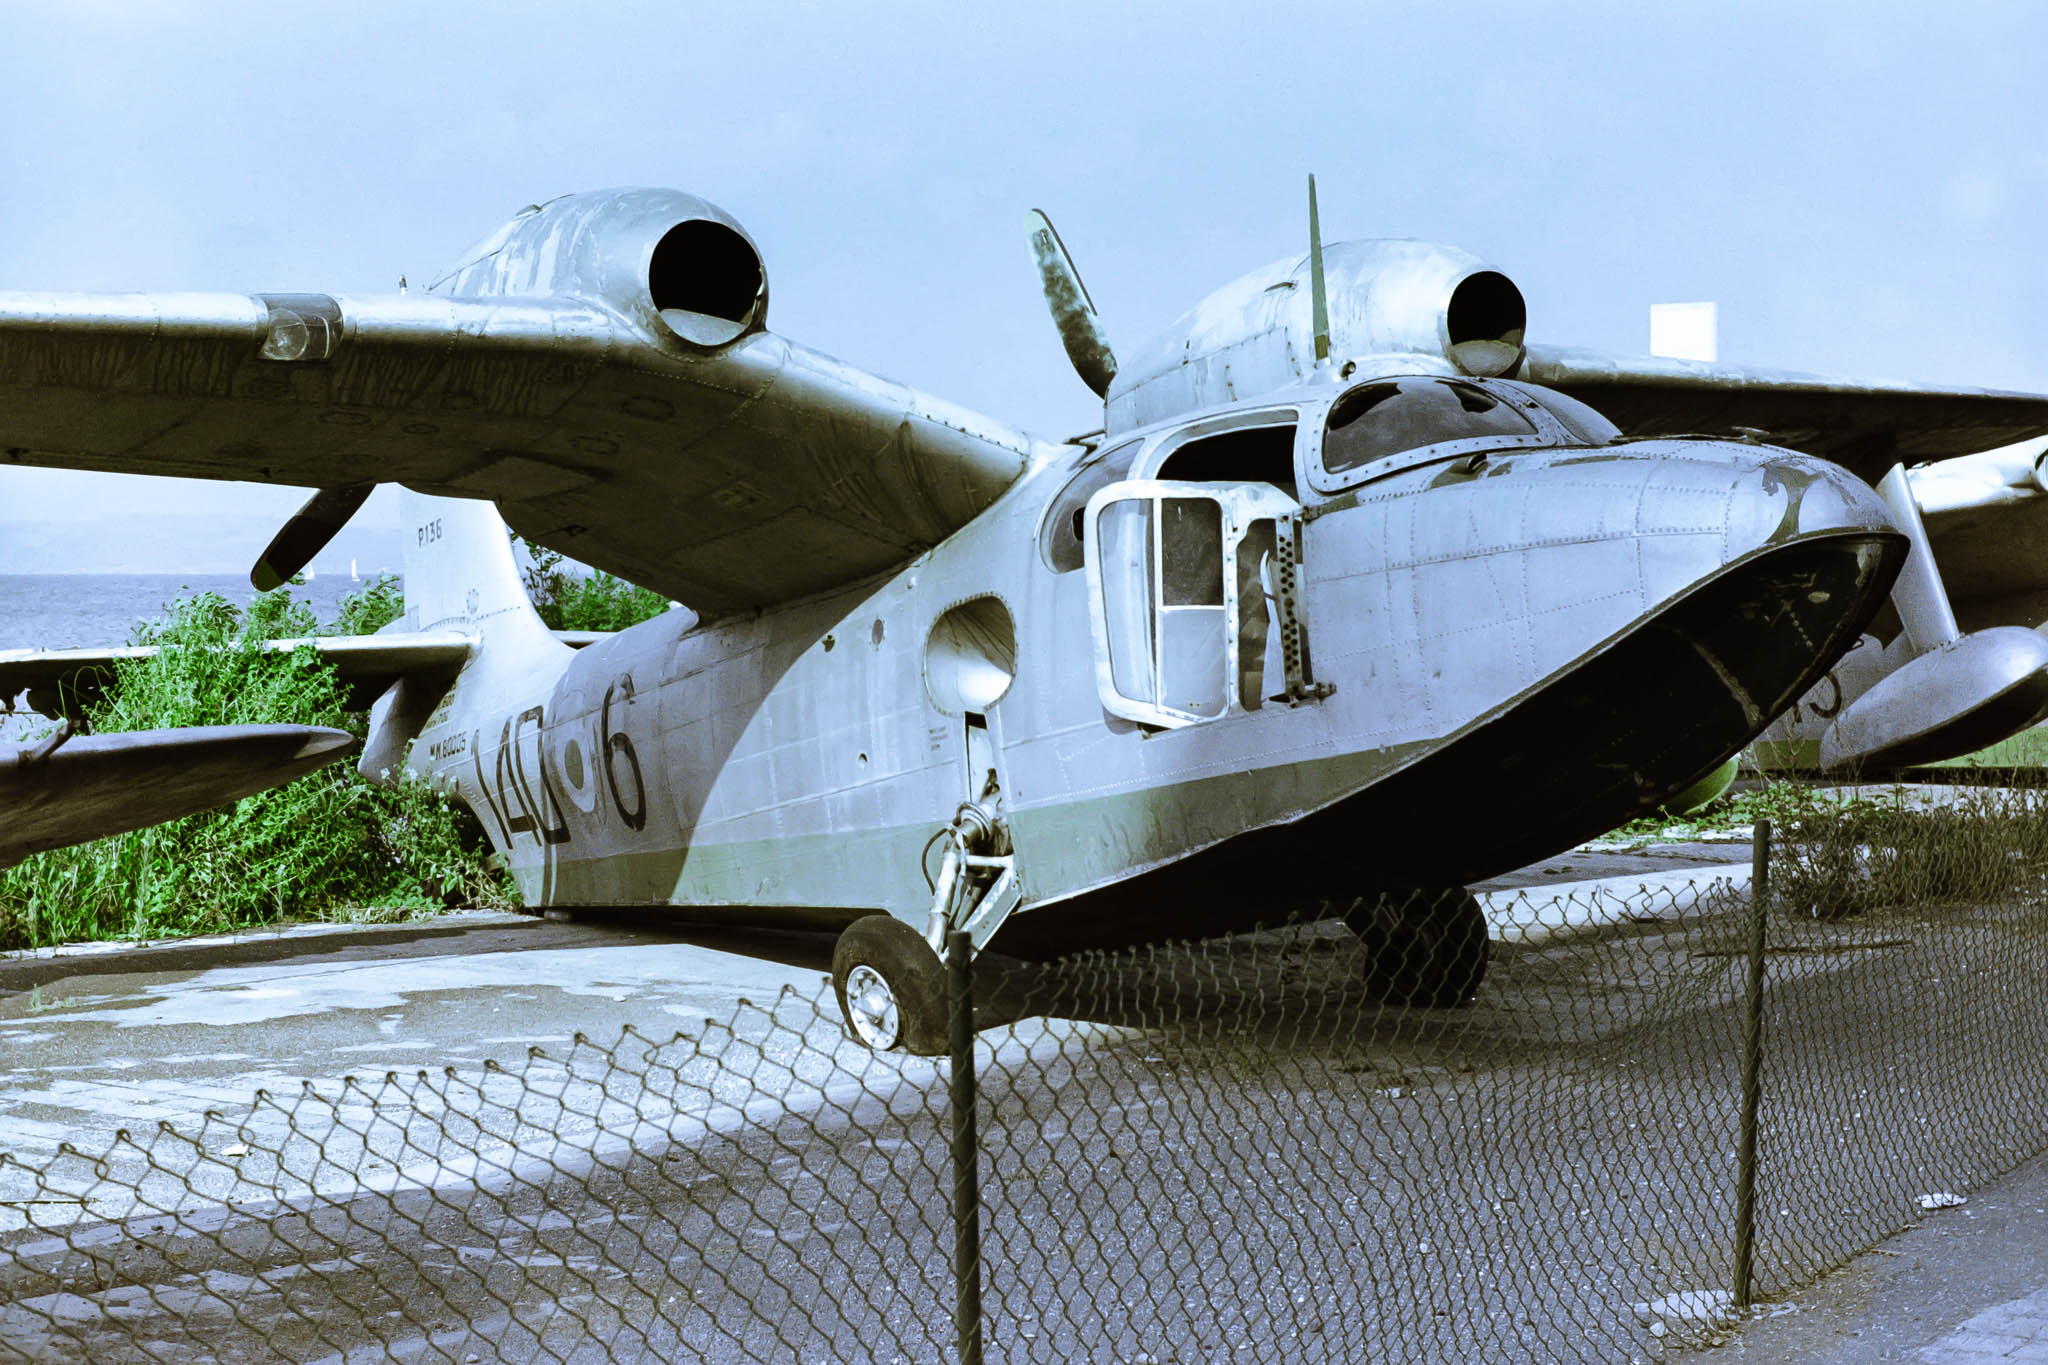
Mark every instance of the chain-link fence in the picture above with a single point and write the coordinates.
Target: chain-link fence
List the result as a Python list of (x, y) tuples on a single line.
[(1234, 1150)]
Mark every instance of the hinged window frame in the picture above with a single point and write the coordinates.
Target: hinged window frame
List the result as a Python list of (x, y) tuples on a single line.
[(1240, 506)]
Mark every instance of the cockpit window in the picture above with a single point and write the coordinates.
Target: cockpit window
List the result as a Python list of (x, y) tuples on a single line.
[(1392, 415)]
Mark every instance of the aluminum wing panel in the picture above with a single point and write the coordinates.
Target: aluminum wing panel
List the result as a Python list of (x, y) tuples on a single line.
[(96, 785), (727, 480), (1866, 425)]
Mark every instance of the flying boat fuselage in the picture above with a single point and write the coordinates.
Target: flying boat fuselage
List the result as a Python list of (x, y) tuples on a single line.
[(1405, 632)]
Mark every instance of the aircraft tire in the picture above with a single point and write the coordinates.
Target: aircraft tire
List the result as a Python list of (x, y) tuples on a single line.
[(891, 987), (1426, 948)]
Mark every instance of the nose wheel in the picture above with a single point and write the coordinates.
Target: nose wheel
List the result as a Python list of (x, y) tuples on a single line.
[(891, 987), (1426, 948)]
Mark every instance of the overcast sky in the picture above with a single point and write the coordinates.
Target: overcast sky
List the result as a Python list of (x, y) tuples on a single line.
[(1861, 186)]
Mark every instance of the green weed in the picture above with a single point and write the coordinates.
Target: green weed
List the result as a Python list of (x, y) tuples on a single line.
[(326, 844), (571, 601), (1778, 800), (1978, 848)]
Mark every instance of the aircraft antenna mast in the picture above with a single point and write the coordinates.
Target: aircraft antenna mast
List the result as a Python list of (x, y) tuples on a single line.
[(1319, 300)]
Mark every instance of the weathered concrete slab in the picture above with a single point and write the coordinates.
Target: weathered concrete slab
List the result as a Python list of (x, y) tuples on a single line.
[(103, 1038)]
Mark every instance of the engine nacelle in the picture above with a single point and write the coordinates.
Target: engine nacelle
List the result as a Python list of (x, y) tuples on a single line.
[(1256, 335), (678, 266)]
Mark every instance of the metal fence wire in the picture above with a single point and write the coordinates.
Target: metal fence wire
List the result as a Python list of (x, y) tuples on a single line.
[(1239, 1149)]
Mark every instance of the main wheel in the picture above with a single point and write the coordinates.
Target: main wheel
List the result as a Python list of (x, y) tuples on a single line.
[(1425, 948), (891, 986)]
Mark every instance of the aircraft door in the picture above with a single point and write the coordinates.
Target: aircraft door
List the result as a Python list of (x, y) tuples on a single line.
[(1191, 598)]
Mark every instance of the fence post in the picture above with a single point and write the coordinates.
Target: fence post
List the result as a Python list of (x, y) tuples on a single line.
[(1752, 1065), (966, 1150)]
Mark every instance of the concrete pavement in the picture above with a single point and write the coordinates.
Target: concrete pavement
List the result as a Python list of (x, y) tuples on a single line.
[(1965, 1286), (103, 1038), (106, 1037), (100, 1037)]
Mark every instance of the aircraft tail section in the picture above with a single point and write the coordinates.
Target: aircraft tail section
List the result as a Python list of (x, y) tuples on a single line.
[(460, 577), (460, 573)]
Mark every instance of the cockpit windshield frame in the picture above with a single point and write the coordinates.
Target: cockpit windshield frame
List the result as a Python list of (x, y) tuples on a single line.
[(1546, 430)]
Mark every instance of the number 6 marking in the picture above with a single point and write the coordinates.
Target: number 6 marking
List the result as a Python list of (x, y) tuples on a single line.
[(616, 746)]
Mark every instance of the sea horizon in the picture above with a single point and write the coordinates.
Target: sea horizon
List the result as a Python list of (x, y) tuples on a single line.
[(78, 609)]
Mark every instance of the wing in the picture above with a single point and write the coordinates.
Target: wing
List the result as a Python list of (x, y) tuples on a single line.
[(727, 480), (61, 681), (71, 790), (1867, 426), (1987, 522)]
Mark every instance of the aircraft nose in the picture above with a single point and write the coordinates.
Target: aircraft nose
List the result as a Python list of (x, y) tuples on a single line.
[(1602, 626), (1693, 507), (1780, 495)]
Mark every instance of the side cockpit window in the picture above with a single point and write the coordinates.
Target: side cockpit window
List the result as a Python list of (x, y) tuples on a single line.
[(1388, 417), (1582, 423), (1059, 539)]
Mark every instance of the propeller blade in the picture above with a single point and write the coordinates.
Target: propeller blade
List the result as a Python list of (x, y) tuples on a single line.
[(307, 534), (1073, 312)]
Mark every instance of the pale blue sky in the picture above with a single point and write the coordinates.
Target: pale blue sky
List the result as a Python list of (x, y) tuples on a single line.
[(1861, 186)]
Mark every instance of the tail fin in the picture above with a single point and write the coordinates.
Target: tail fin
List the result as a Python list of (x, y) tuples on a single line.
[(460, 576), (460, 573)]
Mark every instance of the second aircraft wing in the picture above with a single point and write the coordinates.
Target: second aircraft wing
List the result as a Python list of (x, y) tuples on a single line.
[(1866, 425), (66, 790)]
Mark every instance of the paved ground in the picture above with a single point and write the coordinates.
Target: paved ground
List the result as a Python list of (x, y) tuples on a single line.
[(1967, 1286), (103, 1038), (756, 1192), (106, 1036)]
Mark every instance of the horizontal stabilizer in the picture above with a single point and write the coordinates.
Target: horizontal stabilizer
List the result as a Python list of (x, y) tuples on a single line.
[(68, 791), (1865, 425), (63, 681)]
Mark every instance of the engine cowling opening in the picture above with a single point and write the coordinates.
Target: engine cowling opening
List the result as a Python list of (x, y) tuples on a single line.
[(706, 282), (1484, 323)]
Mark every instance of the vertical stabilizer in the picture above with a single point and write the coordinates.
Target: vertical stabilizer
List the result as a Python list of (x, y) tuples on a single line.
[(460, 572), (460, 575)]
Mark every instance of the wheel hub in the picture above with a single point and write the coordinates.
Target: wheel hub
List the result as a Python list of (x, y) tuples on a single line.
[(871, 1008)]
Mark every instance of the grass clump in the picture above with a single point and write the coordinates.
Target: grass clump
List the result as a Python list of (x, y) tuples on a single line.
[(1975, 848), (324, 846), (369, 608)]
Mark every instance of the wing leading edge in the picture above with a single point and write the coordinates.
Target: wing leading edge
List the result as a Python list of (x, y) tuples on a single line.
[(732, 479)]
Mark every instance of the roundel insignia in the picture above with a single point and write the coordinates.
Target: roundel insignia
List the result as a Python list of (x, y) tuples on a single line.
[(470, 603)]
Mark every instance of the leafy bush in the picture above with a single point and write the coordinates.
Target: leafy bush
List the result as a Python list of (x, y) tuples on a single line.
[(597, 601), (325, 845), (369, 608)]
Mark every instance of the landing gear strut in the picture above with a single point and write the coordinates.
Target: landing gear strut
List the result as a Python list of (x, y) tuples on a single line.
[(1426, 948), (891, 986)]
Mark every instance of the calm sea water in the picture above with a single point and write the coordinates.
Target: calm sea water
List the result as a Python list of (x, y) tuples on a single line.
[(59, 611)]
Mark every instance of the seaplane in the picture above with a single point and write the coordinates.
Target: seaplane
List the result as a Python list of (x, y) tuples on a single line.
[(1351, 567)]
